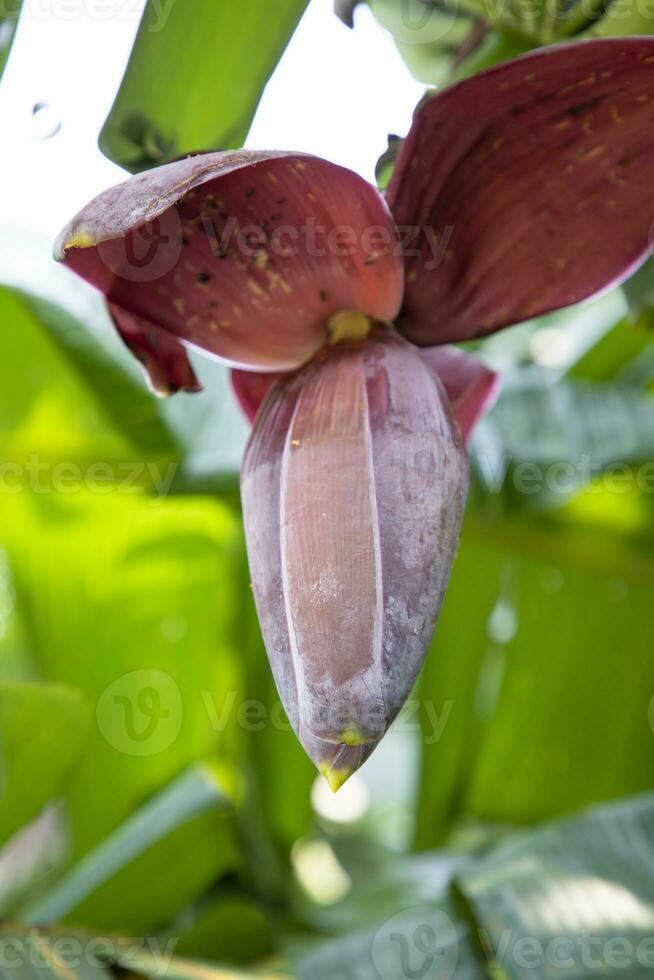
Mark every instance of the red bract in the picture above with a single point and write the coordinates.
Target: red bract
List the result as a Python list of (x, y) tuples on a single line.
[(517, 192), (245, 255), (353, 488), (536, 175)]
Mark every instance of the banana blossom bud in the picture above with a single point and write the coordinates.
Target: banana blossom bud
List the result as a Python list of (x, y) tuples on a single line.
[(353, 488)]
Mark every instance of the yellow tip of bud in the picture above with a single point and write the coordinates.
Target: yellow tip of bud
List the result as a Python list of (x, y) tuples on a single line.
[(335, 777), (348, 325), (351, 736), (80, 239)]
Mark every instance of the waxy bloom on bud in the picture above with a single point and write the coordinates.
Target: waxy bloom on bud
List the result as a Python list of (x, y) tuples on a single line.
[(517, 192), (353, 489)]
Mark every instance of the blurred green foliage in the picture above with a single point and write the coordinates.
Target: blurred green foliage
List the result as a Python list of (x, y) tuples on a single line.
[(42, 727), (228, 52), (445, 41), (9, 14)]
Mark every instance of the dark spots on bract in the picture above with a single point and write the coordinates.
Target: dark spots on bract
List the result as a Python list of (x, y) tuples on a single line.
[(323, 296), (276, 217), (586, 106), (203, 277), (153, 340), (250, 192)]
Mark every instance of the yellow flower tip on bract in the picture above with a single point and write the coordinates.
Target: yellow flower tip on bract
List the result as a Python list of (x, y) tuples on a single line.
[(80, 238), (335, 777), (348, 325), (352, 736)]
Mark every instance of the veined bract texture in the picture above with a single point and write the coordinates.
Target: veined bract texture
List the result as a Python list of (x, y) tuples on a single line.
[(353, 489)]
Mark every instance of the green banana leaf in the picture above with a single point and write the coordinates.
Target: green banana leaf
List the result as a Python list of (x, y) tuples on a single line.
[(76, 401), (573, 899), (133, 600), (226, 926), (73, 359), (422, 941), (86, 550), (223, 55), (535, 694), (444, 42), (8, 21), (624, 354), (590, 429), (640, 296), (161, 858), (42, 732)]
